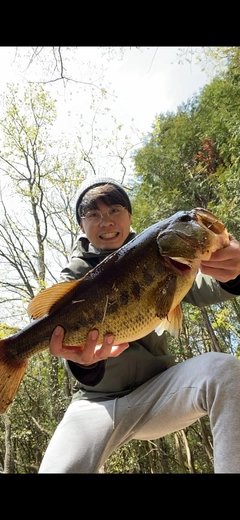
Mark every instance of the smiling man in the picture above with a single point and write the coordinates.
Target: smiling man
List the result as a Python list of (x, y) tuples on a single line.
[(105, 214), (135, 390)]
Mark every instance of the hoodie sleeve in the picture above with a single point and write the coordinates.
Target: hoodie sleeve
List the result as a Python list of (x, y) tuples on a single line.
[(208, 291), (233, 286), (87, 375)]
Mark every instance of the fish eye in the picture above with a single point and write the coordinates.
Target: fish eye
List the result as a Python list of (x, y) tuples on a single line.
[(185, 217)]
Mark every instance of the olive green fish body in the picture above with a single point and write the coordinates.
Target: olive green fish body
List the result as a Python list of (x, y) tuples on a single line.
[(135, 290), (111, 298)]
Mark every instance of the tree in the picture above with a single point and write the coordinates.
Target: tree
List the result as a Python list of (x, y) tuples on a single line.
[(37, 233), (35, 179), (36, 236), (66, 64), (190, 158)]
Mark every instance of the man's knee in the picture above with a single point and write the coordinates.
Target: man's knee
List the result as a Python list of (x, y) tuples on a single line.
[(221, 365)]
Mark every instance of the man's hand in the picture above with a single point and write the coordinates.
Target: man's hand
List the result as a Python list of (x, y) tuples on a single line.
[(224, 264), (88, 354)]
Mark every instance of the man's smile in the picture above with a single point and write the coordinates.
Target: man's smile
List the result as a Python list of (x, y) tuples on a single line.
[(108, 235)]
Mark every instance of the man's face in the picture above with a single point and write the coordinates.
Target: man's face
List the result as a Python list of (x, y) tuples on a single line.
[(111, 231)]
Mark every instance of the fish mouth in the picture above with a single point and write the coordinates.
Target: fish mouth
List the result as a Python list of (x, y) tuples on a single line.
[(180, 267)]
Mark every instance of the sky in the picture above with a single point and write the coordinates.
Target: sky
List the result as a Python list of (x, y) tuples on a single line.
[(152, 81), (143, 82), (141, 85)]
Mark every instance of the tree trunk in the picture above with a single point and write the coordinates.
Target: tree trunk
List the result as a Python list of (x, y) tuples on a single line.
[(8, 462), (205, 439), (188, 452), (179, 453), (215, 344)]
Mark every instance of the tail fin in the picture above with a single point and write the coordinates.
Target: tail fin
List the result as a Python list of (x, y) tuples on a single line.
[(11, 375)]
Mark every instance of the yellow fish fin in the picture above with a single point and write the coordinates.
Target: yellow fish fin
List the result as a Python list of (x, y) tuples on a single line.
[(172, 323), (11, 375), (44, 301)]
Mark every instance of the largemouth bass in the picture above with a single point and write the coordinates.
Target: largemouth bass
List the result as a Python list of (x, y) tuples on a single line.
[(133, 291)]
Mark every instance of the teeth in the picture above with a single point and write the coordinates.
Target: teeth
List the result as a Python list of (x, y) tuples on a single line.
[(109, 235)]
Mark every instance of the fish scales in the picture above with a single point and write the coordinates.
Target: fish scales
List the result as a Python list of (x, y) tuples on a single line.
[(133, 291), (107, 299), (125, 301)]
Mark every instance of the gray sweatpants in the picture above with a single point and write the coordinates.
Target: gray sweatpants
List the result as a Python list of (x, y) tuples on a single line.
[(208, 384)]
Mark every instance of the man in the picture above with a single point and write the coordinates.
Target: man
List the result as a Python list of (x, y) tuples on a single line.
[(136, 391)]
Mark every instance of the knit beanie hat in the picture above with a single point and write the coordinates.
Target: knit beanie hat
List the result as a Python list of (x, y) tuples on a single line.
[(88, 184)]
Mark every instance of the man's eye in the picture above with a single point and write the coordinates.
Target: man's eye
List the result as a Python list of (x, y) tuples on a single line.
[(92, 214), (114, 211)]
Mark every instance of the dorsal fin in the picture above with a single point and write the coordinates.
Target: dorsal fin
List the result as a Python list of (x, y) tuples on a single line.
[(44, 301)]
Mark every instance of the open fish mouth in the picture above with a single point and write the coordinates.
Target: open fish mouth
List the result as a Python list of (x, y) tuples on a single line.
[(180, 266)]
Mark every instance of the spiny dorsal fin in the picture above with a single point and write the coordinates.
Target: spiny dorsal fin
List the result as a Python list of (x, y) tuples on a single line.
[(44, 301)]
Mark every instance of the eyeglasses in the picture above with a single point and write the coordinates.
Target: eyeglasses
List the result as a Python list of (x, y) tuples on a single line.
[(95, 216)]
